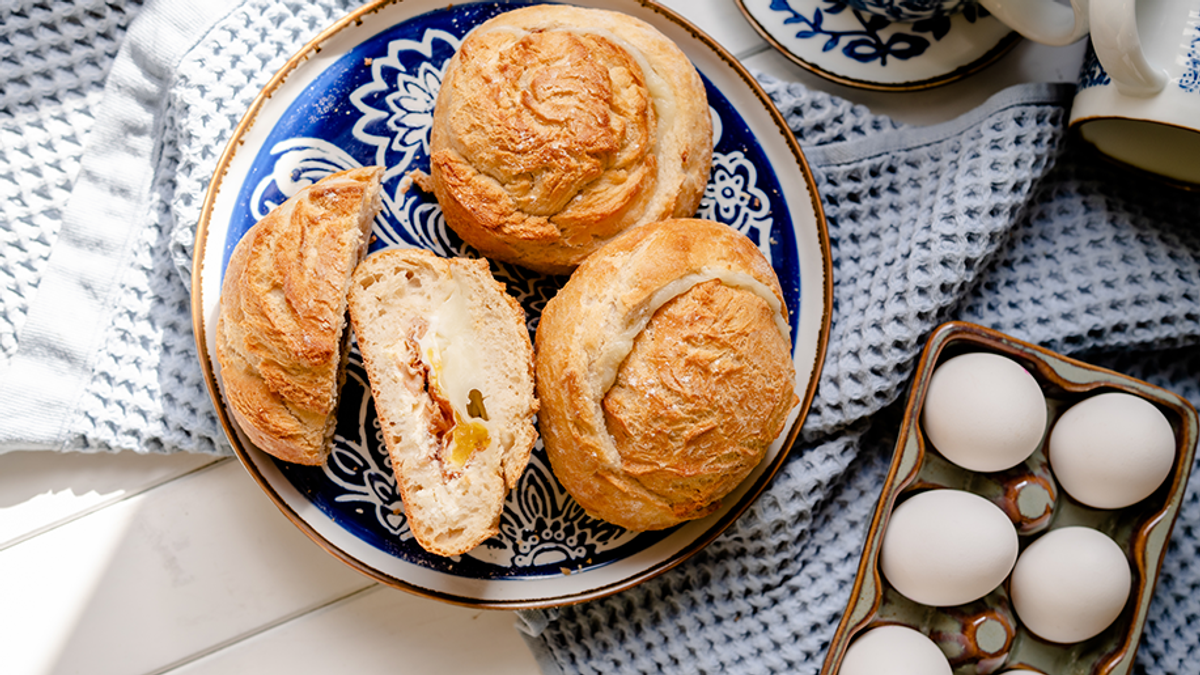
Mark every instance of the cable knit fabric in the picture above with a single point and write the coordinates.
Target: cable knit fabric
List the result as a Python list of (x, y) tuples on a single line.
[(999, 218)]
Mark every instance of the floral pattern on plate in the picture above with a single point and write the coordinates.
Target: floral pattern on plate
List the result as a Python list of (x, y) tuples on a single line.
[(375, 106)]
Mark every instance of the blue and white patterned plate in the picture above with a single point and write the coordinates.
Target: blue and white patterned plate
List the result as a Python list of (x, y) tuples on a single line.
[(368, 99), (866, 51)]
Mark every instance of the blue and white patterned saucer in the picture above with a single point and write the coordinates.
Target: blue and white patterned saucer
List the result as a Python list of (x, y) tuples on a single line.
[(369, 100), (862, 50)]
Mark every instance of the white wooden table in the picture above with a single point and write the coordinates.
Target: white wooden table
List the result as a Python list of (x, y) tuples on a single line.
[(143, 564)]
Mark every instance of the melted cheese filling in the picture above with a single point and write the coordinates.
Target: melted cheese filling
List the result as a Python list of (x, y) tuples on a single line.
[(456, 375)]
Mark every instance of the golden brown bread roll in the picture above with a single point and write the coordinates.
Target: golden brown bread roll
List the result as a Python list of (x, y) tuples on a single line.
[(664, 371), (281, 332), (451, 369), (557, 128)]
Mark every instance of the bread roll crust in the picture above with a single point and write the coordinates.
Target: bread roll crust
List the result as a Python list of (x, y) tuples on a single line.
[(450, 364), (281, 330), (664, 371), (557, 128)]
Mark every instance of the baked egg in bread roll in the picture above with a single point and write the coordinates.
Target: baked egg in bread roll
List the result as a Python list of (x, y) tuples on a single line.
[(450, 363), (664, 372), (281, 336), (557, 128)]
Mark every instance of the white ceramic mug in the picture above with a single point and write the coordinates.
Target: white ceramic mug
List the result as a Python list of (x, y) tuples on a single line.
[(1138, 99), (1044, 21)]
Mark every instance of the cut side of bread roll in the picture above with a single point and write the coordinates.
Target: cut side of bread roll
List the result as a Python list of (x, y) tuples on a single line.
[(450, 364), (556, 128), (665, 373), (281, 337)]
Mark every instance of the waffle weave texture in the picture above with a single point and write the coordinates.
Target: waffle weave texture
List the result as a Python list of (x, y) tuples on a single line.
[(101, 356), (997, 218), (111, 127), (54, 58)]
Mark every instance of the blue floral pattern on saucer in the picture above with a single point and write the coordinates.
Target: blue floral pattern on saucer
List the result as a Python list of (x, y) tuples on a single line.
[(866, 42), (374, 105), (842, 42)]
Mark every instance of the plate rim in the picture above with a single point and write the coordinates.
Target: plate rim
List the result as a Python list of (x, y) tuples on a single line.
[(999, 50), (239, 444)]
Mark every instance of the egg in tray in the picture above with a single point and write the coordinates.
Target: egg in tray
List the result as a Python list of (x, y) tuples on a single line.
[(1023, 520)]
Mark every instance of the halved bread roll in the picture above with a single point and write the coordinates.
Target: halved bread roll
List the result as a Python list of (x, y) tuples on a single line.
[(281, 337), (450, 363), (557, 128), (664, 370)]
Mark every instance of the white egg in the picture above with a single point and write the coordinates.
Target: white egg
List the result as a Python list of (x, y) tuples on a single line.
[(984, 412), (895, 650), (1111, 450), (1070, 584), (947, 547)]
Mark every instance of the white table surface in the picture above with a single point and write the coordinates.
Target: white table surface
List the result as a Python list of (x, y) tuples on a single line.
[(138, 564)]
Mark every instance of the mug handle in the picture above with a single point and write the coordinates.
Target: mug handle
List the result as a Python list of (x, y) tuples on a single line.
[(1118, 47), (1043, 21)]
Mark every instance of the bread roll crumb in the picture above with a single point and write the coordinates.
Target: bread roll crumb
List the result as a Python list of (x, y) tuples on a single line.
[(450, 364)]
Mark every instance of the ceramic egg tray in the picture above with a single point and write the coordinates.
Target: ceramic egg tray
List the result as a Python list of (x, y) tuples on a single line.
[(985, 636)]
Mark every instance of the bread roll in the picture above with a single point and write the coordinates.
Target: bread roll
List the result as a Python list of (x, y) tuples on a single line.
[(281, 333), (557, 128), (451, 369), (664, 369)]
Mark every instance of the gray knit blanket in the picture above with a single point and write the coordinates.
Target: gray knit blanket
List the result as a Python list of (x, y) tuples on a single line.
[(113, 113)]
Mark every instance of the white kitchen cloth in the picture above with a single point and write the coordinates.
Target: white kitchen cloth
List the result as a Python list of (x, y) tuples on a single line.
[(96, 347), (996, 218)]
